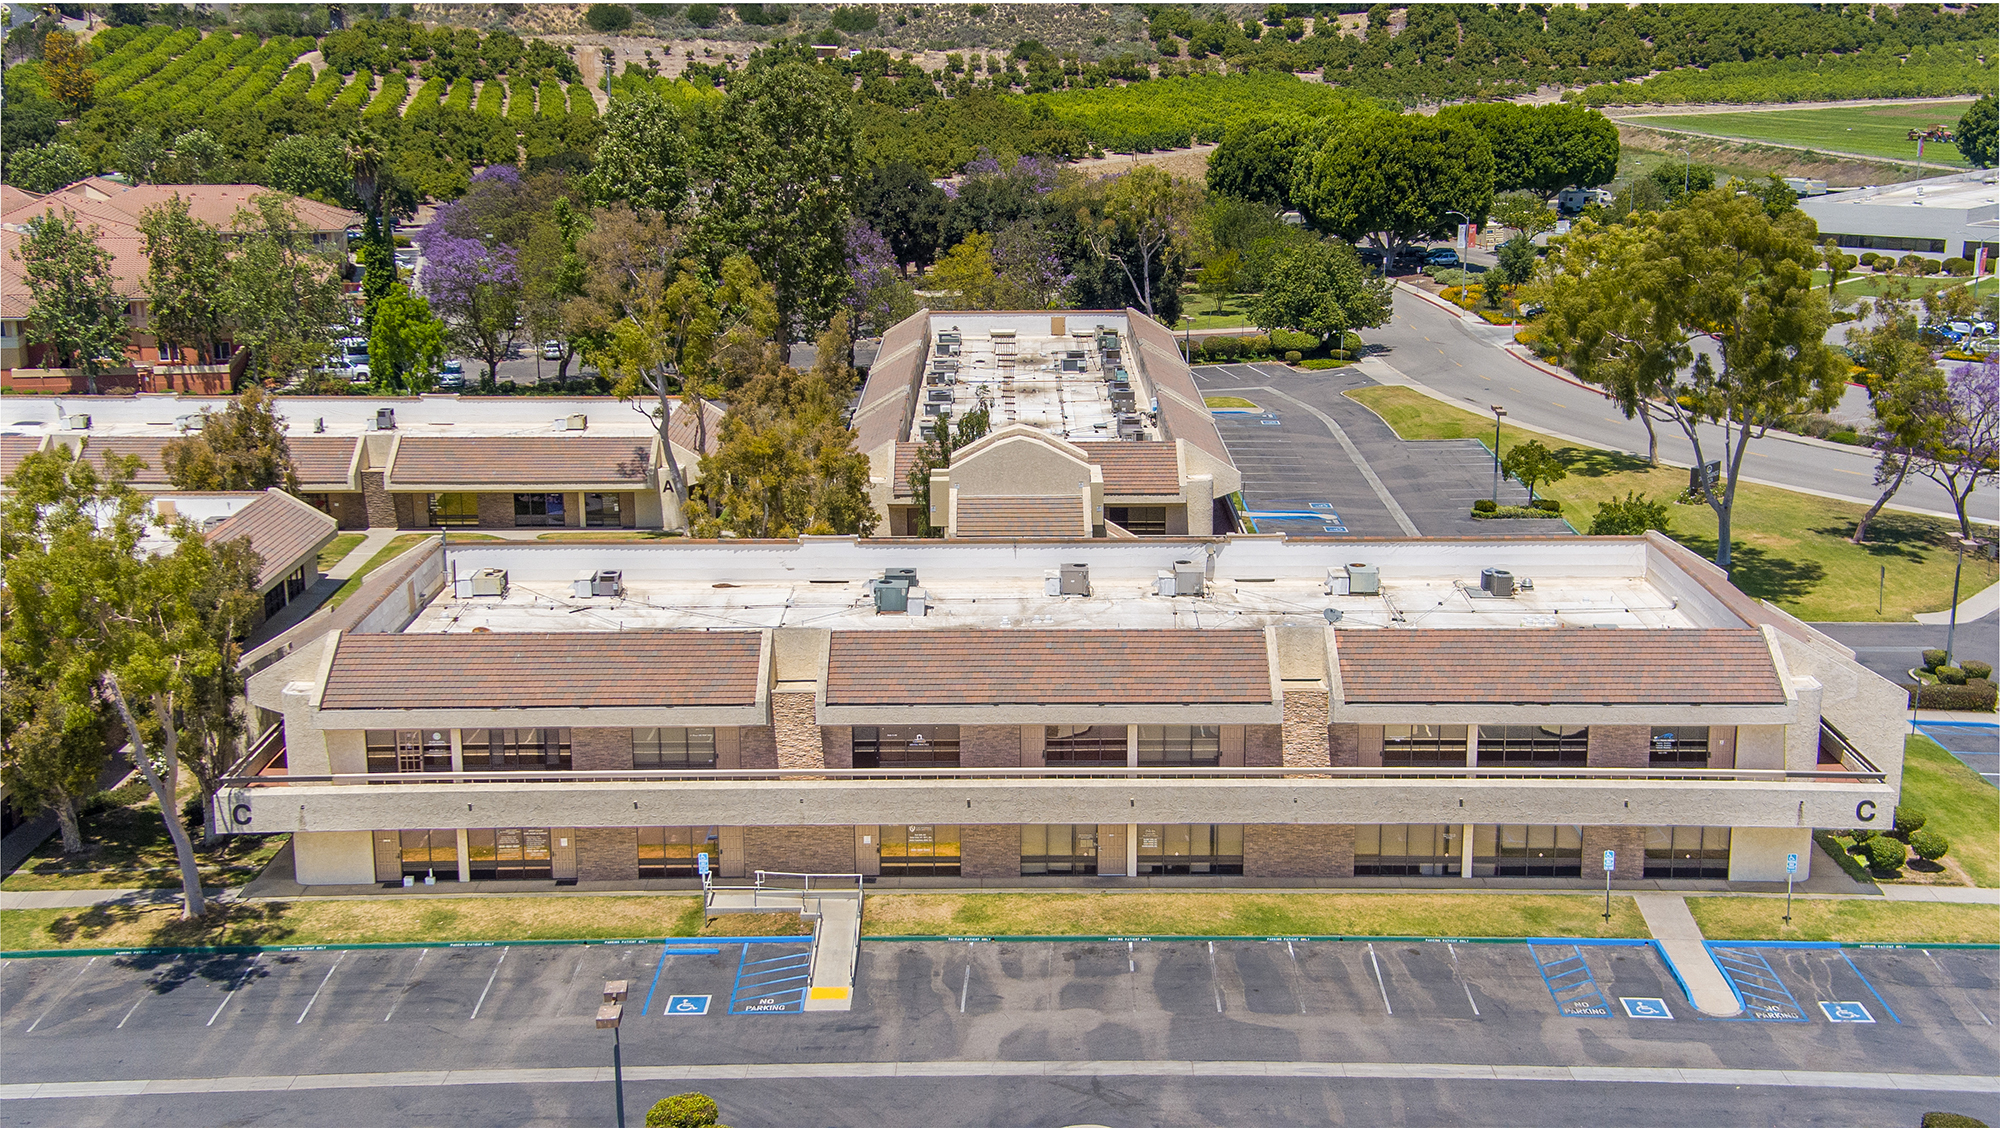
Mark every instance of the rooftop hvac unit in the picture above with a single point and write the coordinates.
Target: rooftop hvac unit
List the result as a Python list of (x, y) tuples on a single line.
[(577, 422), (580, 586), (918, 602), (938, 395), (1336, 581), (1052, 583), (891, 594), (907, 575), (1497, 582), (385, 419), (1003, 334), (208, 524), (1165, 583), (1188, 577), (78, 423), (1076, 579), (189, 422), (608, 581), (488, 581), (1364, 579)]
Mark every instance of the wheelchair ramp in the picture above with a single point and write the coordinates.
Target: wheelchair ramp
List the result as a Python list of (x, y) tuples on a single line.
[(824, 978)]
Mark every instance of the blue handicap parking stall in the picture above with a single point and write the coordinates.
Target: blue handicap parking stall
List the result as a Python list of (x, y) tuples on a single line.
[(1846, 1012), (1764, 996), (1569, 979), (771, 979), (686, 1004)]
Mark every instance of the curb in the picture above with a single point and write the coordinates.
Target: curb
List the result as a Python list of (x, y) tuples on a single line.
[(260, 949)]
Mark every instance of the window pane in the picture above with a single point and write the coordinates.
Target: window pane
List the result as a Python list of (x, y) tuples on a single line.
[(1396, 839), (1367, 840), (1034, 840), (1229, 840)]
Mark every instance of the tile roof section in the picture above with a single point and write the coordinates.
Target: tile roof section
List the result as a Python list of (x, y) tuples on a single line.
[(1710, 666), (1021, 517), (562, 670), (1183, 413), (283, 530), (14, 448), (323, 460), (465, 461), (883, 414), (1137, 468), (682, 432), (1048, 667), (153, 475)]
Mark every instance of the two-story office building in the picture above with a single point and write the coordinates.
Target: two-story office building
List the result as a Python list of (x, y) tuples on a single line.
[(1219, 710)]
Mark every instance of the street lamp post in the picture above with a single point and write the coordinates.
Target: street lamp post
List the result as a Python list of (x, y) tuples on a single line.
[(1498, 413), (608, 1017), (1952, 629), (1465, 245)]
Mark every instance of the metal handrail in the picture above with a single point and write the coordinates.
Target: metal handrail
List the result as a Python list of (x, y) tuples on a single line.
[(1848, 752), (1066, 775)]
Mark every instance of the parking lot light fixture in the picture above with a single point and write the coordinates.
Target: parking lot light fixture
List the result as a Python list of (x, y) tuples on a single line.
[(1498, 414), (608, 1017)]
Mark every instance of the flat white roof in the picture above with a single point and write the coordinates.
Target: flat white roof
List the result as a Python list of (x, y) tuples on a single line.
[(341, 415), (1060, 385)]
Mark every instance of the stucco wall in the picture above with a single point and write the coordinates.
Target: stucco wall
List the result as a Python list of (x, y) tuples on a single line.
[(1760, 746), (1758, 853), (334, 857)]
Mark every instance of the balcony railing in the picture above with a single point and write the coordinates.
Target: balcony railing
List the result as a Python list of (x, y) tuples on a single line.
[(1834, 743), (1023, 775)]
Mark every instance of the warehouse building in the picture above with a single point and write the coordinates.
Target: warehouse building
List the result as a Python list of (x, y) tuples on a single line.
[(1942, 216), (1196, 710)]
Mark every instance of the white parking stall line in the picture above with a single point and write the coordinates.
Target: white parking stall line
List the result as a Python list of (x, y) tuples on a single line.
[(1213, 985), (64, 994), (1378, 980), (416, 970), (231, 993), (321, 987), (489, 984)]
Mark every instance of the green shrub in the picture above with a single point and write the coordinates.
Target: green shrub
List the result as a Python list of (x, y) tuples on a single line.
[(1977, 670), (1933, 266), (1958, 267), (1862, 836), (1909, 822), (1966, 698), (1256, 344), (686, 1110), (1868, 259), (1883, 853), (1293, 341), (1930, 845), (1934, 658), (1485, 505), (1951, 675), (1950, 1120), (1548, 505), (1321, 363), (853, 20), (1293, 356), (1629, 518)]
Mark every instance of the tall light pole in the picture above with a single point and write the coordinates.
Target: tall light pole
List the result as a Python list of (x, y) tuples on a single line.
[(1956, 572), (1498, 413), (1464, 244), (608, 1017)]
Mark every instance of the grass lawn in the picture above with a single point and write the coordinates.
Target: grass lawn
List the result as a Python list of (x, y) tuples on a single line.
[(1857, 922), (1201, 313), (388, 552), (338, 548), (600, 535), (1960, 805), (1237, 402), (1789, 548), (1876, 131), (1247, 914), (129, 849)]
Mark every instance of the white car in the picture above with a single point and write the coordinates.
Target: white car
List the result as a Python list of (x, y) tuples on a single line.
[(551, 350)]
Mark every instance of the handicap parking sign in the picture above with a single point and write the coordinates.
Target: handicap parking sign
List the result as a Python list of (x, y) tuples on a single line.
[(1846, 1012), (687, 1004), (1645, 1008), (1791, 863)]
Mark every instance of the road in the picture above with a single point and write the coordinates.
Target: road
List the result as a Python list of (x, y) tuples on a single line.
[(1462, 358), (1006, 1034)]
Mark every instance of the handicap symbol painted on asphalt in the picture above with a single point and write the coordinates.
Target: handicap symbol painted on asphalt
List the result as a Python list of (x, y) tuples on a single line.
[(1846, 1012), (1645, 1008), (687, 1004)]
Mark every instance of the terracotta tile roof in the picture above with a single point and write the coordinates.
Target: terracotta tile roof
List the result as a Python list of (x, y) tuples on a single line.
[(283, 530), (560, 670), (906, 461), (681, 429), (146, 447), (1048, 667), (466, 461), (1722, 666), (128, 266), (1021, 517), (1137, 468), (1183, 413), (323, 460), (14, 448)]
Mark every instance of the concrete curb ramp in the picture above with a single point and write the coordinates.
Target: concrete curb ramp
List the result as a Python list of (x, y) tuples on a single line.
[(1680, 939)]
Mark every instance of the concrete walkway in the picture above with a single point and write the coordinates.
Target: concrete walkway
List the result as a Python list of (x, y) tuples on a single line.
[(1942, 894), (363, 553), (1668, 919), (1978, 605), (85, 898)]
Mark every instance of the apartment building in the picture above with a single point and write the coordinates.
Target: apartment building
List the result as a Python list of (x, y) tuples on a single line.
[(1097, 428), (421, 462), (1204, 711)]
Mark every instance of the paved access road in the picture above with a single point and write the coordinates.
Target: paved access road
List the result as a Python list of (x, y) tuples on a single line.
[(1463, 359), (1011, 1033)]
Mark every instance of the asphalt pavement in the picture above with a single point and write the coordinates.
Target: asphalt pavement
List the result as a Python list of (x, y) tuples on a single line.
[(1005, 1033)]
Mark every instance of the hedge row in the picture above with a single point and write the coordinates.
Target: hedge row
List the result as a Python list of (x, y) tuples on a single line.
[(1939, 71), (1958, 698)]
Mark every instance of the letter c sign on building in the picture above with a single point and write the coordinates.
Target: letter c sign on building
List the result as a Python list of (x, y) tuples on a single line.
[(1865, 810)]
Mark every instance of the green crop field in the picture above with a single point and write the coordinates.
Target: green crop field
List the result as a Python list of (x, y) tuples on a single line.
[(1875, 131)]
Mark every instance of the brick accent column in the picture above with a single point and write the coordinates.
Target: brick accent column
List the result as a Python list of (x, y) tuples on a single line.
[(758, 747), (1305, 729), (1629, 841), (496, 511), (381, 508), (1620, 746), (988, 746), (1344, 746), (799, 849), (989, 852), (1286, 851), (607, 853), (798, 733), (1263, 746), (836, 743), (599, 750)]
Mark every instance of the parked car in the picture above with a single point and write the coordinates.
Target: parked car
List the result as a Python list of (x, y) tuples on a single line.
[(1533, 309), (1441, 256), (451, 381), (551, 350), (1369, 257), (454, 368)]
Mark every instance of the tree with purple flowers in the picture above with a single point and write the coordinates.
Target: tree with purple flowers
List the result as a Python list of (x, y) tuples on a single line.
[(877, 294), (1967, 452), (474, 287)]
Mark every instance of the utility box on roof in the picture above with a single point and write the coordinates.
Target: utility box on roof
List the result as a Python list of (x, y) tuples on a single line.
[(1188, 577), (1076, 579), (1364, 579)]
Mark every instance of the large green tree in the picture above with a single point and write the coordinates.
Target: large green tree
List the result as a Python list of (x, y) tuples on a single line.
[(1139, 223), (1396, 180), (1975, 135), (406, 342), (1255, 158), (184, 276), (282, 294), (74, 305), (1320, 287), (241, 447), (1906, 388)]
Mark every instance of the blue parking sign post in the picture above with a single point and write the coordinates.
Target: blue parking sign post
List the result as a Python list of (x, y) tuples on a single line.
[(1791, 871), (1610, 860)]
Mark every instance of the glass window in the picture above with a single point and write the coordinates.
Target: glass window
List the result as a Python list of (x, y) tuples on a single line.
[(1059, 850), (408, 750), (906, 746), (1423, 745), (1687, 852), (509, 853), (1420, 850), (1527, 851), (1173, 849), (673, 748), (600, 509), (669, 851), (1680, 744), (451, 509), (516, 750), (538, 509), (1084, 744), (430, 853), (1140, 520), (1537, 745), (1180, 745), (920, 851)]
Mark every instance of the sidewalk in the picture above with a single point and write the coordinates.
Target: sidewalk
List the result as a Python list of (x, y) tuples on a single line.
[(1670, 922), (85, 898), (1978, 605)]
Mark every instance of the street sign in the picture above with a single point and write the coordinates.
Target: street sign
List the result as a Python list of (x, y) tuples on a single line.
[(1610, 859), (1846, 1012), (1791, 863), (687, 1004), (1645, 1008)]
